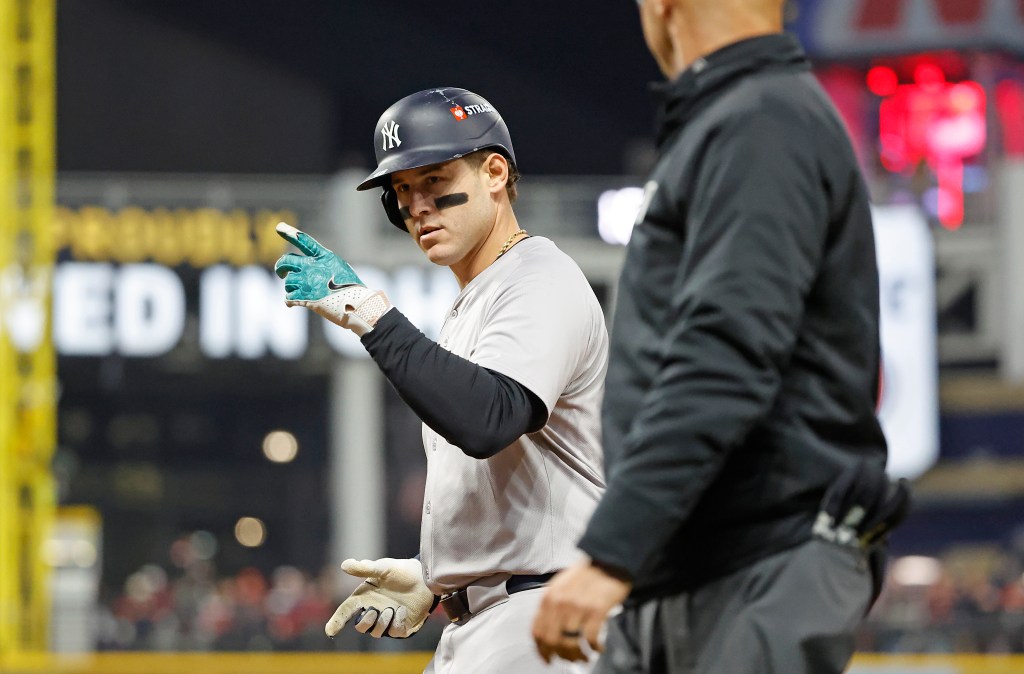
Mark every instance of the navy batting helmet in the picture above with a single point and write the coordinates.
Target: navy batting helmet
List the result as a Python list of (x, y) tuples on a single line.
[(431, 127)]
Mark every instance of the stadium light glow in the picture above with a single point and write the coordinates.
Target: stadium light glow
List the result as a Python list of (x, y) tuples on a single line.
[(280, 446), (882, 81), (250, 531), (916, 570)]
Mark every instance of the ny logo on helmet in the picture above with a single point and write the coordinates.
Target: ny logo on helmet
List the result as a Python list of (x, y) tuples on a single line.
[(390, 135)]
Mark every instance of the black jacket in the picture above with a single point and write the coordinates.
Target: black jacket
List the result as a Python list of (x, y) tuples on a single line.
[(744, 362)]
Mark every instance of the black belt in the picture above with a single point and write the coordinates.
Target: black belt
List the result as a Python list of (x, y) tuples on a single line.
[(456, 604)]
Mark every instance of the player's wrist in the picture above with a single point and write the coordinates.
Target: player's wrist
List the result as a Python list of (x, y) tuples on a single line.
[(362, 317), (373, 308), (354, 307)]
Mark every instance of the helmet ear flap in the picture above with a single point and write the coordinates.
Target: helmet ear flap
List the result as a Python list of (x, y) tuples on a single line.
[(390, 201)]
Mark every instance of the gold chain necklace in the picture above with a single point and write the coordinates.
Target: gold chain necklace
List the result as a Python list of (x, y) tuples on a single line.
[(509, 240)]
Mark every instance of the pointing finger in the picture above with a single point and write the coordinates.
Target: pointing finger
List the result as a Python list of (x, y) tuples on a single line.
[(344, 613), (304, 242), (363, 568)]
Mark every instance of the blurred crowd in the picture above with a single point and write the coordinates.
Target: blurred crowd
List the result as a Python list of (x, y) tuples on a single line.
[(940, 607), (949, 607)]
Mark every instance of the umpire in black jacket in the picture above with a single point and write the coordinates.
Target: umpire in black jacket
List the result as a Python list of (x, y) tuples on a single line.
[(739, 413)]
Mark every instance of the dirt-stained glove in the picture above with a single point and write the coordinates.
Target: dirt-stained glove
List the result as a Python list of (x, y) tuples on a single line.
[(393, 599), (320, 280)]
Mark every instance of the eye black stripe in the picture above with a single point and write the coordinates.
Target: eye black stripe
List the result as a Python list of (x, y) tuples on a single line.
[(449, 200), (440, 203)]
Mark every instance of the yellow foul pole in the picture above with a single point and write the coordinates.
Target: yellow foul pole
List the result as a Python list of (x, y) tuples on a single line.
[(27, 361)]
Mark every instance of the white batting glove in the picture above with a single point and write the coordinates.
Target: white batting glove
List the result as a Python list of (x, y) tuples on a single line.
[(320, 280), (393, 598)]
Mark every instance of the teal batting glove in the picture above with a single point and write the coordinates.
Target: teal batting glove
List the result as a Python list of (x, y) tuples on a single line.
[(323, 282)]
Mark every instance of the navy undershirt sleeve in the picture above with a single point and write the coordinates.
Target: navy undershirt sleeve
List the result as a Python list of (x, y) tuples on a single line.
[(477, 410)]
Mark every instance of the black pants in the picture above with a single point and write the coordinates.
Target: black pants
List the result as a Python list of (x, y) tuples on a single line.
[(791, 613)]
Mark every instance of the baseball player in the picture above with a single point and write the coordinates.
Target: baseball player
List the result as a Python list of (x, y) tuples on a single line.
[(509, 397)]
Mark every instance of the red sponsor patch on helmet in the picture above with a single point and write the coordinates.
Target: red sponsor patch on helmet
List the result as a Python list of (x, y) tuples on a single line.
[(458, 113)]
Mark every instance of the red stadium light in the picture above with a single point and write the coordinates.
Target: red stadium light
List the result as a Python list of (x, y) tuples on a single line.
[(929, 75), (882, 81), (936, 122)]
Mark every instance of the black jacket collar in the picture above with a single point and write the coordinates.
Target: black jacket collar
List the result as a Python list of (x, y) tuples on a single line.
[(679, 97)]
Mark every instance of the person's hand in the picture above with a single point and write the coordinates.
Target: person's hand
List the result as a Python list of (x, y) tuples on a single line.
[(393, 599), (320, 280), (574, 609)]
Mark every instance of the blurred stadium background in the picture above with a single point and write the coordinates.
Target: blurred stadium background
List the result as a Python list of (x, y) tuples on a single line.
[(184, 462)]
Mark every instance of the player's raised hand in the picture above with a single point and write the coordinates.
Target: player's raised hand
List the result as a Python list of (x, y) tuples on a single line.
[(393, 599), (316, 273), (323, 282)]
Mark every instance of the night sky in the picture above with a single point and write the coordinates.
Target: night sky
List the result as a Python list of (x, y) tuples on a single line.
[(296, 86)]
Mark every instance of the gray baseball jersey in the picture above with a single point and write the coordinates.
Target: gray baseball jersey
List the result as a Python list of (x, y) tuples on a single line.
[(531, 316)]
